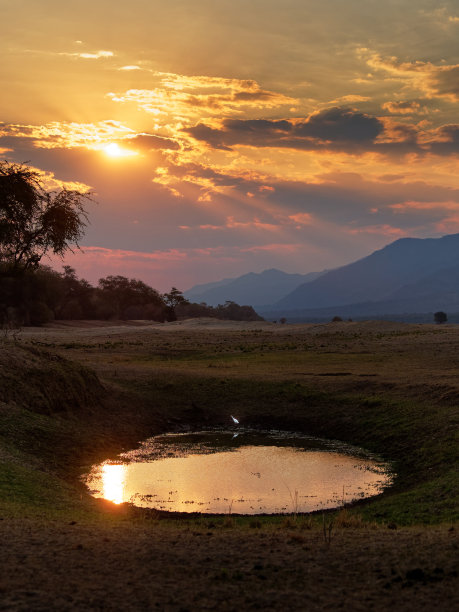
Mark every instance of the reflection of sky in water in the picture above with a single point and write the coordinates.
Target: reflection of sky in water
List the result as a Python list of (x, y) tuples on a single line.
[(248, 480)]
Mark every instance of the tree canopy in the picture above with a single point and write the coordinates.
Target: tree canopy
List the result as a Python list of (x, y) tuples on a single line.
[(440, 317), (34, 221)]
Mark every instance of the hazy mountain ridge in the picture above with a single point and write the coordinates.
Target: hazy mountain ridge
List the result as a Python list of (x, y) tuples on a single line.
[(253, 288), (410, 275), (391, 274), (194, 293)]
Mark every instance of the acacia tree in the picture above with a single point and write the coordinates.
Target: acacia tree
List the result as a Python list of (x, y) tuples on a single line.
[(34, 221), (174, 298)]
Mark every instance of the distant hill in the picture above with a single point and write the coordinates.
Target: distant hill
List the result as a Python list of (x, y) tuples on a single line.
[(253, 288), (196, 291), (409, 275)]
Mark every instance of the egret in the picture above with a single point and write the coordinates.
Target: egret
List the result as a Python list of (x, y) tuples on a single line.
[(234, 419)]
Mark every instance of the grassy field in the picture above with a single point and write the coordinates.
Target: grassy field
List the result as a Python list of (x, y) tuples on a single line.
[(71, 396)]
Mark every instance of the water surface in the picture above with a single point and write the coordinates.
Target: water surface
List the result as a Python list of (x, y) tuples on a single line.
[(244, 473)]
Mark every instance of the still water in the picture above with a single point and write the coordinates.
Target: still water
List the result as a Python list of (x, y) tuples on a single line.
[(242, 473)]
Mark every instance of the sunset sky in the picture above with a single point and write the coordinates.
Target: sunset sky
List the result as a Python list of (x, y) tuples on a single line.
[(221, 137)]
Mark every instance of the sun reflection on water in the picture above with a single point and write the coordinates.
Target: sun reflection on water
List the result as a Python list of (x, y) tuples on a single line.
[(113, 482)]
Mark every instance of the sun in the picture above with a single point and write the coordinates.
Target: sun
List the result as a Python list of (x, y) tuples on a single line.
[(114, 150)]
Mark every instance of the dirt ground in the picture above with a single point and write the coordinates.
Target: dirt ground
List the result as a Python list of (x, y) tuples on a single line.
[(125, 563), (144, 567)]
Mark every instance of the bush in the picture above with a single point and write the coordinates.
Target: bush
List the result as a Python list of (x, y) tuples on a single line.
[(39, 313), (440, 317)]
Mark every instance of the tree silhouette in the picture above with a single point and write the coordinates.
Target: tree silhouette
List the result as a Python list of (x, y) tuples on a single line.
[(440, 317), (174, 298), (122, 294), (34, 221)]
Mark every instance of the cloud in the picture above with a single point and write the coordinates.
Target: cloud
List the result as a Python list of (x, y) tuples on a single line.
[(404, 108), (97, 55), (441, 17), (301, 218), (277, 248), (380, 230), (191, 96), (410, 205), (59, 134), (51, 182), (433, 80), (207, 179), (443, 140), (349, 99), (93, 136), (150, 142), (333, 128)]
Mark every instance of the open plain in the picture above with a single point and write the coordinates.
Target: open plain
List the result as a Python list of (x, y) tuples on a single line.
[(76, 393)]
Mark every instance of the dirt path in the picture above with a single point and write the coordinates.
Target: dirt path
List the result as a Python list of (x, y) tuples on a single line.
[(207, 567)]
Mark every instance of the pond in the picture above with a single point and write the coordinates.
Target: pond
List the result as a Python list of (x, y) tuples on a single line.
[(249, 472)]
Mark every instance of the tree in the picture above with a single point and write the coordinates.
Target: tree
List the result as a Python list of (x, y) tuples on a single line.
[(233, 312), (174, 298), (34, 221), (440, 317), (76, 294), (128, 298)]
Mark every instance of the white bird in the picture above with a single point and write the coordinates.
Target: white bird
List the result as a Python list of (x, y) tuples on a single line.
[(234, 419)]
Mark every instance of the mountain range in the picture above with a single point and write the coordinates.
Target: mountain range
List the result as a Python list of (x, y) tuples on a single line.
[(410, 275), (254, 289)]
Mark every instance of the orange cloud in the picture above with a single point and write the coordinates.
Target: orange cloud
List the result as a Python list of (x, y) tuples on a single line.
[(414, 205), (448, 225), (253, 224), (301, 218), (97, 55), (92, 136), (404, 108), (349, 99), (433, 80), (384, 230), (190, 97), (278, 248)]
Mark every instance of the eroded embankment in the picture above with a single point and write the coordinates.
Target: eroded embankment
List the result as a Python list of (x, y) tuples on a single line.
[(56, 417)]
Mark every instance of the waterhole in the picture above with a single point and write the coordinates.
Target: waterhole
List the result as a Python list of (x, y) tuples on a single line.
[(242, 473)]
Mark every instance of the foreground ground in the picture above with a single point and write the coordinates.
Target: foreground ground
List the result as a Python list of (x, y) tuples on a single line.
[(392, 388), (55, 566)]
